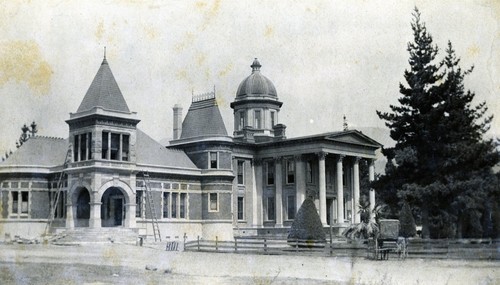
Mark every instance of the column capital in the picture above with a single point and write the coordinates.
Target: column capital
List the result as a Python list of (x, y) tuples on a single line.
[(278, 159), (321, 155), (371, 161), (298, 157), (256, 161), (340, 158), (356, 159)]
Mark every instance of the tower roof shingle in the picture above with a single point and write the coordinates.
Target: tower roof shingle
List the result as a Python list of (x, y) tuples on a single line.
[(104, 92), (203, 119)]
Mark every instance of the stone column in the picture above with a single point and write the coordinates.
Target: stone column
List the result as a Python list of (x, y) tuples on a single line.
[(322, 187), (300, 181), (279, 192), (130, 214), (257, 193), (340, 191), (357, 217), (70, 222), (95, 215), (372, 191)]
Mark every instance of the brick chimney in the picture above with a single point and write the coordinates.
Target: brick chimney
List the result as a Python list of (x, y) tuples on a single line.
[(177, 121)]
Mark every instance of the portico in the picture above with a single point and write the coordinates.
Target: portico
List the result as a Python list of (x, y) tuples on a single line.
[(321, 167)]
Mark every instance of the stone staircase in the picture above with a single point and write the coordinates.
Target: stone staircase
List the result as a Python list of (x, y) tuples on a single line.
[(85, 235)]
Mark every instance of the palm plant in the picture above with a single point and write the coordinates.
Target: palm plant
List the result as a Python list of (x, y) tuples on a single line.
[(367, 227)]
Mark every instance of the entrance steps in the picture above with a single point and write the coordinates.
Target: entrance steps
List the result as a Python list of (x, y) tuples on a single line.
[(86, 235)]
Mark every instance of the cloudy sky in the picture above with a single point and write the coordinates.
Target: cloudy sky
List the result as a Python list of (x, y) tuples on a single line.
[(326, 58)]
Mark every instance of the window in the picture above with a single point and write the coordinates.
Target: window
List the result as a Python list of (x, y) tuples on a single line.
[(213, 202), (290, 209), (273, 119), (270, 208), (241, 120), (213, 160), (105, 143), (258, 119), (166, 206), (290, 171), (115, 146), (83, 146), (173, 205), (270, 172), (240, 170), (76, 148), (20, 202), (182, 212), (138, 203), (89, 144), (125, 147), (61, 205), (15, 202), (241, 208), (309, 172)]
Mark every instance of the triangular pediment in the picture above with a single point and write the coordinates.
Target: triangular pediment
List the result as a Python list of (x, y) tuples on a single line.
[(353, 137)]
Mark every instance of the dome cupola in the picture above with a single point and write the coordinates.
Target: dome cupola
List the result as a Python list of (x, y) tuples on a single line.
[(256, 108), (256, 84)]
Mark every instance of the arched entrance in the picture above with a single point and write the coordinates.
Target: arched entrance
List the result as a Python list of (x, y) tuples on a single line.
[(113, 211), (82, 207)]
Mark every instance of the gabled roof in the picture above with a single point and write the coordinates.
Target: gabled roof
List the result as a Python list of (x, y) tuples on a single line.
[(352, 137), (151, 152), (39, 151), (104, 92), (203, 119)]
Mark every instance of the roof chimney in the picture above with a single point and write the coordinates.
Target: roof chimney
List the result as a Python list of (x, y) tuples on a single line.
[(177, 121)]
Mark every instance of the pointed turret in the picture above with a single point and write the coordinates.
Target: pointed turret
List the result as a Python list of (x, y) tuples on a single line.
[(104, 92)]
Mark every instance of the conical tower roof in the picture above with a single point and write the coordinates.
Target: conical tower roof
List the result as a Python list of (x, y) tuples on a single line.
[(104, 92)]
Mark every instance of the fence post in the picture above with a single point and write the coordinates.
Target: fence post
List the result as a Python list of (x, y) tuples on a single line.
[(296, 245), (235, 244), (198, 243), (216, 243), (265, 245), (185, 237)]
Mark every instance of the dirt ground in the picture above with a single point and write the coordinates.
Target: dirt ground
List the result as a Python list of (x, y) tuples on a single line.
[(125, 264)]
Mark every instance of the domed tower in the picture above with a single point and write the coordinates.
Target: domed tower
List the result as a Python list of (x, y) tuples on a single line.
[(256, 108)]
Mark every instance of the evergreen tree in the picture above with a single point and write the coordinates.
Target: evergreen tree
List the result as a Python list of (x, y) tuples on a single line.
[(440, 164), (411, 124)]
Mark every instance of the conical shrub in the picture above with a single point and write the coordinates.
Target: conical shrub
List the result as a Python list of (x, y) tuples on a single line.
[(307, 228), (407, 222)]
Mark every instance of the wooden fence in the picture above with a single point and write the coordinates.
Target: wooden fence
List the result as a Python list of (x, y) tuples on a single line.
[(417, 248)]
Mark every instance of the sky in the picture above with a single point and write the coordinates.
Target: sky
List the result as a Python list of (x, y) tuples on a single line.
[(325, 58)]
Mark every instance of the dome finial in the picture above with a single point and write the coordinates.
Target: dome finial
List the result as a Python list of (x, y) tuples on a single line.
[(255, 65)]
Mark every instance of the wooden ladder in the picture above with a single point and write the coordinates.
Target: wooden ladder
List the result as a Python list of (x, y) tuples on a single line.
[(60, 185), (151, 206)]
